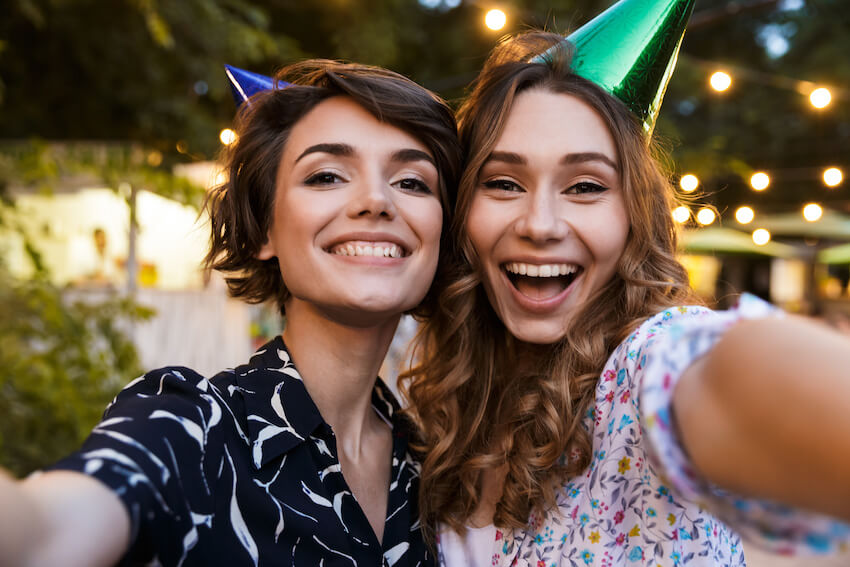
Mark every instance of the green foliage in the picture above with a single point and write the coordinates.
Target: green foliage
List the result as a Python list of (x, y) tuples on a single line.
[(45, 167), (763, 122), (62, 359)]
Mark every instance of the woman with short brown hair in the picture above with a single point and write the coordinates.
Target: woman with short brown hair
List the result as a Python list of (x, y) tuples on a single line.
[(338, 188)]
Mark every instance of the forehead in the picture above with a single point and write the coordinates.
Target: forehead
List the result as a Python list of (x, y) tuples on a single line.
[(543, 122), (342, 120)]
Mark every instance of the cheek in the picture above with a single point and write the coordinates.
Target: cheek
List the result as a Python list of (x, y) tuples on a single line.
[(428, 224), (480, 224), (614, 233)]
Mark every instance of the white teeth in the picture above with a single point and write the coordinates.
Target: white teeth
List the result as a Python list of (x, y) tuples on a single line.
[(389, 251), (541, 271)]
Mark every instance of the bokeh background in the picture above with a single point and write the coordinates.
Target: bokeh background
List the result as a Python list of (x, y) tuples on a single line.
[(112, 114)]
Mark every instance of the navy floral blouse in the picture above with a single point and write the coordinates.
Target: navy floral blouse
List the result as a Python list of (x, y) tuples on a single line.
[(241, 469)]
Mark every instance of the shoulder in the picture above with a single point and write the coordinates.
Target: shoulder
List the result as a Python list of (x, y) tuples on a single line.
[(172, 390), (666, 321)]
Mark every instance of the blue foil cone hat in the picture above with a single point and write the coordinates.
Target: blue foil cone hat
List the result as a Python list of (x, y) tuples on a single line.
[(630, 50), (244, 84)]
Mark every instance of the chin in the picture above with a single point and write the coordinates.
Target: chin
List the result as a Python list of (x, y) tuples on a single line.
[(537, 333)]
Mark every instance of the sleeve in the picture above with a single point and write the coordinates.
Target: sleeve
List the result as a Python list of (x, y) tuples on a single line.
[(672, 348), (151, 450)]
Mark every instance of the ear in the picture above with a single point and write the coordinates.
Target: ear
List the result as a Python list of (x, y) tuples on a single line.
[(266, 251)]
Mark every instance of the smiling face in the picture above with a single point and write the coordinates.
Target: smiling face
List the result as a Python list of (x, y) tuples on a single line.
[(357, 221), (547, 221)]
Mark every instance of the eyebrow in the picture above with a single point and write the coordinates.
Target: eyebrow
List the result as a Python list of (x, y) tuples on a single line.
[(580, 157), (342, 150), (410, 155), (406, 155), (589, 156)]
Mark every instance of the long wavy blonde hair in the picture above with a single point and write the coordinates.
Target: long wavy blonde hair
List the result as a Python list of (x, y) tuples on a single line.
[(477, 408)]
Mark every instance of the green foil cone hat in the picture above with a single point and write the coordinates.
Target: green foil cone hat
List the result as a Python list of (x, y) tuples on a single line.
[(630, 50)]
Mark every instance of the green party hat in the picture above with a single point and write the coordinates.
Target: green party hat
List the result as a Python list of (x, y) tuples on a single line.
[(630, 50)]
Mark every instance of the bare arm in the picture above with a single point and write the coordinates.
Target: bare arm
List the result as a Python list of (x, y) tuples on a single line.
[(61, 518), (766, 413)]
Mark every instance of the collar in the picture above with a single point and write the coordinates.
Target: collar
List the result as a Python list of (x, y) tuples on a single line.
[(280, 412)]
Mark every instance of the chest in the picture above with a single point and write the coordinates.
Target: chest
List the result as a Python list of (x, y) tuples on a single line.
[(299, 509), (368, 480)]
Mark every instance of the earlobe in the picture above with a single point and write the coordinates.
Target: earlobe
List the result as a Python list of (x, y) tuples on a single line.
[(266, 251)]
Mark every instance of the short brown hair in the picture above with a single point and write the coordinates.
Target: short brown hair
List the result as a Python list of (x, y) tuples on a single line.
[(241, 209)]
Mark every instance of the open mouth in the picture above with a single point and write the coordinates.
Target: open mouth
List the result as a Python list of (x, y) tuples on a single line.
[(373, 249), (541, 281)]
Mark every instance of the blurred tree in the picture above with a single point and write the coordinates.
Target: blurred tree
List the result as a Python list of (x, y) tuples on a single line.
[(763, 122), (62, 359)]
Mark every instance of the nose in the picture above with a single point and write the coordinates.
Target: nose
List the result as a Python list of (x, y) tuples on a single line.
[(372, 197), (542, 220)]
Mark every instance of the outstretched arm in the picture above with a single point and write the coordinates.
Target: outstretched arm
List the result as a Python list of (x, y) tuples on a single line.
[(766, 413), (61, 518)]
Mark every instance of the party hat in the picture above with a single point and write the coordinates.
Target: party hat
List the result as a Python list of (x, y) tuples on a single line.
[(245, 83), (630, 50)]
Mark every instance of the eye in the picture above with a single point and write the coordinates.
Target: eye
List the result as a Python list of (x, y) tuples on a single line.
[(585, 187), (414, 185), (503, 185), (323, 178)]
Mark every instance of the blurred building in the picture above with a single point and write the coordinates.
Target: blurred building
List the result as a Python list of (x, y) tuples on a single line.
[(82, 232)]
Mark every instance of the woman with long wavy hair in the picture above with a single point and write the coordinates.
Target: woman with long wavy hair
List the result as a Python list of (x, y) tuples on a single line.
[(578, 406)]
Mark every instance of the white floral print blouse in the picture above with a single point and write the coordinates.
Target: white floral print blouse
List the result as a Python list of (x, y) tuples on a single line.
[(640, 502)]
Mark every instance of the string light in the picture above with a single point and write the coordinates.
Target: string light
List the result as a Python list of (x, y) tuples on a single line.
[(745, 215), (832, 176), (681, 214), (812, 212), (705, 216), (761, 236), (820, 98), (720, 81), (759, 181), (227, 136), (689, 182), (495, 19)]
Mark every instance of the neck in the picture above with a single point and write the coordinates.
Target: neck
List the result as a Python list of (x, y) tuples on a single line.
[(339, 364)]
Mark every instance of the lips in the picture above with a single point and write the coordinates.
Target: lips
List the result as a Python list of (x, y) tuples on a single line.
[(541, 282)]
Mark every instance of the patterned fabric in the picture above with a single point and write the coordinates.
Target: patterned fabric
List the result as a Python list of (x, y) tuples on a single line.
[(241, 469), (640, 501)]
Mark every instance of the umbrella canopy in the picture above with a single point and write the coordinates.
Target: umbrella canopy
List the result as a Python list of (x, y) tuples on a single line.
[(831, 225), (719, 240), (835, 255)]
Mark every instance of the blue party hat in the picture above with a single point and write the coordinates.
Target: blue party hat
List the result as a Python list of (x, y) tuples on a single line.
[(244, 84)]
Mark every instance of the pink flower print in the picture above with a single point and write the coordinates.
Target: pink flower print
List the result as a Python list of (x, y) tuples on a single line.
[(625, 397), (609, 375), (498, 535), (541, 563), (618, 517), (621, 538), (609, 397)]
